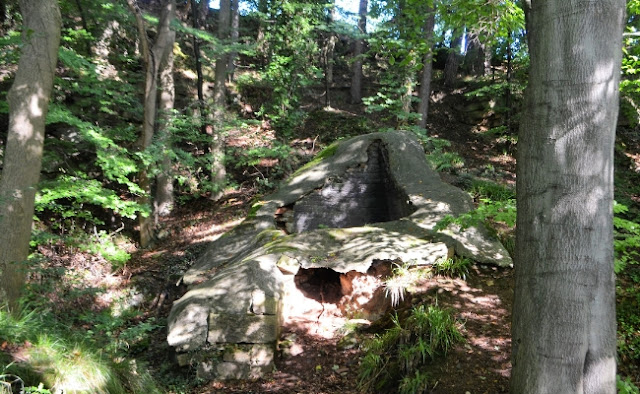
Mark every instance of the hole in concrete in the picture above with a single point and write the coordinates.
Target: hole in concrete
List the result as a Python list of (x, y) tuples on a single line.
[(365, 194), (320, 284), (352, 292), (321, 300)]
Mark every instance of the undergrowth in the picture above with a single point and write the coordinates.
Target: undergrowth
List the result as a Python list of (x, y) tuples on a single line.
[(398, 359), (67, 338)]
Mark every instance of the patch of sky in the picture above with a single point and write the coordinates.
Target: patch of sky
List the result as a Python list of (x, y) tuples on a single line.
[(347, 11)]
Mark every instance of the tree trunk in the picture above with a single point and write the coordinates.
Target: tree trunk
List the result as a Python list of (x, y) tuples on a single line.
[(218, 171), (235, 35), (198, 20), (407, 92), (453, 60), (564, 334), (83, 21), (328, 55), (163, 199), (507, 93), (427, 68), (262, 46), (152, 58), (356, 79), (28, 105)]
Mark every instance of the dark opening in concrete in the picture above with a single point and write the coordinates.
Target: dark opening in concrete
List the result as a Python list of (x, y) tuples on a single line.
[(364, 195), (320, 284)]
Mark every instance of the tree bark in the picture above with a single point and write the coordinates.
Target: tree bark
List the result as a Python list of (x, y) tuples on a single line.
[(328, 54), (453, 60), (564, 334), (28, 105), (427, 68), (218, 171), (164, 199), (235, 35), (152, 58), (198, 21), (356, 79)]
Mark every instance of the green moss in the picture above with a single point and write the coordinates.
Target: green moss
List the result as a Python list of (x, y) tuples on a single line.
[(268, 236), (254, 209), (323, 154)]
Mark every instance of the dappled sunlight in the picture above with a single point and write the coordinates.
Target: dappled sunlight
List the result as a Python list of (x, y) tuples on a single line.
[(212, 233), (504, 159), (482, 303)]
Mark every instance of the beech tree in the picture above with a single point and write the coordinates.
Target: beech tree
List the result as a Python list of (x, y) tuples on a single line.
[(28, 104), (356, 79), (427, 68), (153, 57), (164, 198), (218, 171), (564, 334)]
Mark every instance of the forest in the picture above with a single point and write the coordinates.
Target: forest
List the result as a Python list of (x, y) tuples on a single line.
[(133, 133)]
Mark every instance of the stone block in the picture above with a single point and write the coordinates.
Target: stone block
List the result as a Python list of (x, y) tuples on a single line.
[(262, 355), (188, 326), (257, 372), (229, 328), (288, 265), (263, 303), (226, 370), (184, 359), (239, 354), (251, 354)]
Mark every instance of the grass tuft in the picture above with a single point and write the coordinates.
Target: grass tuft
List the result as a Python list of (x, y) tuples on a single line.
[(398, 357)]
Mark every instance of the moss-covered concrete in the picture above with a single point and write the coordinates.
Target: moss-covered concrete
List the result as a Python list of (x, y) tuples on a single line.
[(243, 275)]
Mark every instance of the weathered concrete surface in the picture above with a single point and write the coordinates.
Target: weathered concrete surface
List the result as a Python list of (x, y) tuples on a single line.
[(379, 186)]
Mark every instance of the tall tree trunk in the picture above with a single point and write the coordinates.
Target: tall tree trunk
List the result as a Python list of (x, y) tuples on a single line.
[(488, 56), (235, 35), (507, 93), (152, 58), (262, 46), (406, 97), (83, 21), (218, 171), (328, 55), (164, 199), (356, 79), (564, 334), (427, 68), (453, 60), (198, 21), (28, 105)]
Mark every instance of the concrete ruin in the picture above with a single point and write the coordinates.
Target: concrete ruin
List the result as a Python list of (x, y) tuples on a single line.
[(365, 200)]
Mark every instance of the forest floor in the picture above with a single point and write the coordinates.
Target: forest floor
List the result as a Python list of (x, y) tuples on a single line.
[(315, 363)]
